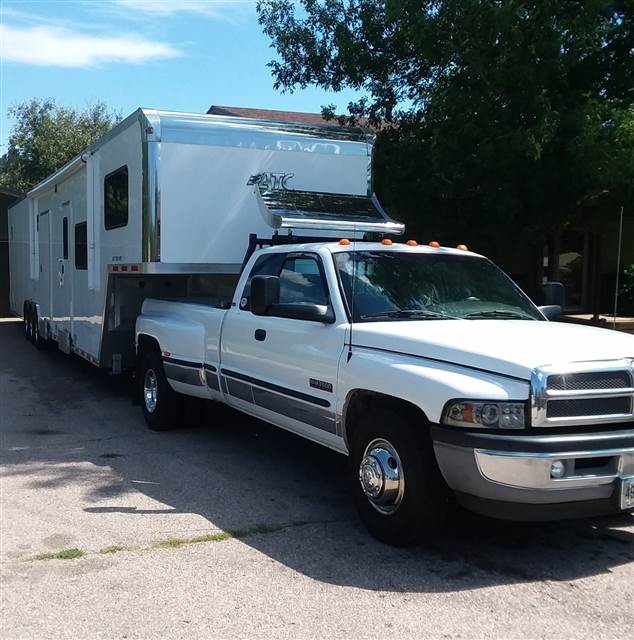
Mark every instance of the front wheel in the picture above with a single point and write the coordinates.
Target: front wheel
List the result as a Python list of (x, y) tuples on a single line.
[(160, 403), (397, 487)]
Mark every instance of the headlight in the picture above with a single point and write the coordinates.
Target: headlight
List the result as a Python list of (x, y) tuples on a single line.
[(484, 414)]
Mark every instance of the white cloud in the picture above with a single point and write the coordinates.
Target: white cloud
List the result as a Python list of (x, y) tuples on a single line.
[(210, 8), (61, 47)]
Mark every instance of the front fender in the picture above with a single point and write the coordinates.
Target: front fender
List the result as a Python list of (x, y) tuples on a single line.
[(427, 384)]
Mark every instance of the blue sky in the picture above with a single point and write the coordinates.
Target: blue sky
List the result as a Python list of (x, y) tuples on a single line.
[(171, 54)]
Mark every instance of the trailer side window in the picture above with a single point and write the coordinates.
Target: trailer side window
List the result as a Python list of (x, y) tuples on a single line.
[(81, 246), (115, 198), (65, 238)]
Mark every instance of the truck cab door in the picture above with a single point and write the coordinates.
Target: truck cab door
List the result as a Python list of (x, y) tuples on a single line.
[(284, 370)]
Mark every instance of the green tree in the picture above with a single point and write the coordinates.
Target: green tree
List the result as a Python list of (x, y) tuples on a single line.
[(494, 115), (45, 136)]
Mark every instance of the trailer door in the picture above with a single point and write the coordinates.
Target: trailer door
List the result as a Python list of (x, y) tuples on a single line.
[(62, 285), (44, 279)]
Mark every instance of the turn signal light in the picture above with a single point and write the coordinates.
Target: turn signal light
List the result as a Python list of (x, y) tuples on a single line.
[(344, 241), (435, 244), (462, 247), (386, 241), (411, 243)]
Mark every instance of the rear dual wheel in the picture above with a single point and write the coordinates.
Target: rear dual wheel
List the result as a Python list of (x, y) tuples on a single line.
[(162, 406), (397, 486)]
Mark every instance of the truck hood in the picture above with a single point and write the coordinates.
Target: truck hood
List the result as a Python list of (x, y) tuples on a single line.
[(507, 347)]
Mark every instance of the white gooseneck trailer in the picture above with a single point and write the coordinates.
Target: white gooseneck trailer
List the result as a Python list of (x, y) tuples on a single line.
[(163, 206)]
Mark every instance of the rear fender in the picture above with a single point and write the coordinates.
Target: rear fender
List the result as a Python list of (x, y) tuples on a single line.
[(178, 338)]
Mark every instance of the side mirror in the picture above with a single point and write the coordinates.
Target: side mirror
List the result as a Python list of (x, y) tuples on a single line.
[(551, 311), (301, 311), (554, 294), (265, 292)]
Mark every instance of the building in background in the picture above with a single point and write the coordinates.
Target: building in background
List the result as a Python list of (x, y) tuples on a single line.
[(7, 199), (271, 114)]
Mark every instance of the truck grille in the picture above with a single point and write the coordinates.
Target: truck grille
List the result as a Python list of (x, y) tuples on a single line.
[(587, 393), (588, 407), (590, 380)]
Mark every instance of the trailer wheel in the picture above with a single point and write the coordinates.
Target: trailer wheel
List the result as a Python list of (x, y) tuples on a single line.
[(27, 321), (36, 338), (397, 486), (159, 402)]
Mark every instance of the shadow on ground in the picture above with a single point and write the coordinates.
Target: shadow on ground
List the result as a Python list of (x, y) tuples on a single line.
[(238, 472)]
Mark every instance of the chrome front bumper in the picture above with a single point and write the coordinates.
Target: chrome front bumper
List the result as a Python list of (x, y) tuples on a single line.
[(533, 470), (517, 469)]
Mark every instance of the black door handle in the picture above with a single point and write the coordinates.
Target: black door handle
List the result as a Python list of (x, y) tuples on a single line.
[(260, 335)]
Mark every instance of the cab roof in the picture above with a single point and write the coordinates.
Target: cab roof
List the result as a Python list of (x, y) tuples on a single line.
[(363, 245)]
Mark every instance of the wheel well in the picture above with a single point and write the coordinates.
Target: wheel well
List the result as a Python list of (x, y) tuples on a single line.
[(360, 402), (147, 344)]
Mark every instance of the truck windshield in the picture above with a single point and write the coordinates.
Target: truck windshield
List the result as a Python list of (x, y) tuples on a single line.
[(395, 285)]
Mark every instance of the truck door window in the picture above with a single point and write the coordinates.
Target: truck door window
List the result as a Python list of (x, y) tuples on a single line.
[(301, 281), (268, 265)]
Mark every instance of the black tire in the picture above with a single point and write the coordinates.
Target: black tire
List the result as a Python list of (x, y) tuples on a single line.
[(36, 339), (421, 505), (165, 412), (27, 321)]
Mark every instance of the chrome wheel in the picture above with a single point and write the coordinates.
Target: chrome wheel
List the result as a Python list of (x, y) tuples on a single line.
[(381, 476), (150, 390)]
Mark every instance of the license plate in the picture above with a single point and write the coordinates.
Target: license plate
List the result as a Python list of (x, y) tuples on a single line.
[(627, 493)]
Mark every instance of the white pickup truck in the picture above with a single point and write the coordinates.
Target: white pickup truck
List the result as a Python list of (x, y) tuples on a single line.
[(427, 366)]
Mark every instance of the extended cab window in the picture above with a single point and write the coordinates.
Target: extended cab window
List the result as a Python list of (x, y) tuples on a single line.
[(301, 282), (115, 199)]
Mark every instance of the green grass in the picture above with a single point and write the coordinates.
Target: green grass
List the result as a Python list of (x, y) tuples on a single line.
[(113, 548), (220, 536), (64, 554), (171, 543)]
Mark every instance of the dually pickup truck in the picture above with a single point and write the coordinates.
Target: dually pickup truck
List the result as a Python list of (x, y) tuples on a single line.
[(427, 366)]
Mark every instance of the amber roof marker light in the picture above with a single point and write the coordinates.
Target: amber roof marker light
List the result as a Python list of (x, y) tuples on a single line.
[(344, 241), (435, 244), (386, 241), (462, 247), (411, 243)]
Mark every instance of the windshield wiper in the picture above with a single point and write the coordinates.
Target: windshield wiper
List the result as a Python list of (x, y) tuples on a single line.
[(500, 314), (409, 313)]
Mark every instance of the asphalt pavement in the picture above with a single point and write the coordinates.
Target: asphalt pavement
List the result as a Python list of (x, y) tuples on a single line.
[(231, 528)]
